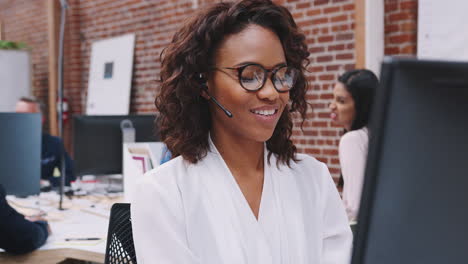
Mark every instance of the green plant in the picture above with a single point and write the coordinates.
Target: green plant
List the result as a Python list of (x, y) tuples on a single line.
[(10, 45)]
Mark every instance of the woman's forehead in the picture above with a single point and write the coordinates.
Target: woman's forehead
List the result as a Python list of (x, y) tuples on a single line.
[(340, 89), (253, 44)]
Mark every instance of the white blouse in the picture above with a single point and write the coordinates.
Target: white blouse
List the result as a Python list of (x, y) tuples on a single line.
[(196, 213), (353, 156)]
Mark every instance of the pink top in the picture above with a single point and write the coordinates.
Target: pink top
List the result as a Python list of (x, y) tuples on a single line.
[(353, 155)]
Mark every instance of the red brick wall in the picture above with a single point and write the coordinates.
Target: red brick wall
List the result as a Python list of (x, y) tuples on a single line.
[(153, 22), (401, 24), (73, 62), (328, 24)]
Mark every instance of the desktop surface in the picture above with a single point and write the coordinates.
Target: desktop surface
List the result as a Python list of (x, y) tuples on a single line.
[(81, 225)]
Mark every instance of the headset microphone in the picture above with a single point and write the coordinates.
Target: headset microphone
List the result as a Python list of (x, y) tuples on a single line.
[(227, 112), (205, 87)]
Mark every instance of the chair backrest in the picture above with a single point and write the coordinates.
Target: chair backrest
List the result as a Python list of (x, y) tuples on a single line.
[(120, 248)]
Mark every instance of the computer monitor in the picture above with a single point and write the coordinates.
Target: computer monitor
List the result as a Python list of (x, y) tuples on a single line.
[(20, 153), (414, 207), (97, 141)]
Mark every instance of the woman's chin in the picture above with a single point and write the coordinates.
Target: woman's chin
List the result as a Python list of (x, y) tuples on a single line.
[(262, 136)]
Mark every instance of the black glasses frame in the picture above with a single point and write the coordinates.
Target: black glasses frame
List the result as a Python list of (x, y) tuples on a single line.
[(273, 72)]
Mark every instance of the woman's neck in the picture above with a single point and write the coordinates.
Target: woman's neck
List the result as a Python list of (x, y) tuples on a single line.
[(243, 157)]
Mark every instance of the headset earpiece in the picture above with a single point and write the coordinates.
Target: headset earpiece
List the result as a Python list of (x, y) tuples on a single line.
[(203, 82)]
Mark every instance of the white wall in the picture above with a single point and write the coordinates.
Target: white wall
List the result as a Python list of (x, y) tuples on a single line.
[(15, 78), (374, 35), (443, 30)]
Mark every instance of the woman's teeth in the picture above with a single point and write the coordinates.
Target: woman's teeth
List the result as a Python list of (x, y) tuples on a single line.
[(264, 112)]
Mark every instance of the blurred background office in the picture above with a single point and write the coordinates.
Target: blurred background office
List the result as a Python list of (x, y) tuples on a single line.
[(111, 65), (342, 35), (52, 147)]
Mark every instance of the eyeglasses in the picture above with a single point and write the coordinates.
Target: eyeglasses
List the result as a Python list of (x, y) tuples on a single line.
[(252, 77)]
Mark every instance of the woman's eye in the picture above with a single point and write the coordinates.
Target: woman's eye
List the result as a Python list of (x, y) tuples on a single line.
[(247, 79), (251, 77)]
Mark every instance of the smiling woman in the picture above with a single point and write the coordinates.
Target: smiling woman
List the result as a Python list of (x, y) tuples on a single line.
[(257, 112), (237, 191)]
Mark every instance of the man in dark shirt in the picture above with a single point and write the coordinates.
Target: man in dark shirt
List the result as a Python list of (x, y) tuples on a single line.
[(17, 234), (52, 147)]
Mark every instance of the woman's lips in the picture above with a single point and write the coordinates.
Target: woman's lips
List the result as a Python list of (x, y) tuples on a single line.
[(268, 117), (333, 116)]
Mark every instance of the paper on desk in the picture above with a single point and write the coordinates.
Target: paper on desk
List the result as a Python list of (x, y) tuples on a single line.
[(82, 218), (78, 224)]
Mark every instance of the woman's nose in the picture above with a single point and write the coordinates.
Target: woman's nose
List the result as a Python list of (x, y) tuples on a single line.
[(268, 91)]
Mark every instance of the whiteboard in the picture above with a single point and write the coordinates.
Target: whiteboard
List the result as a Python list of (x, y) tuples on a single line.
[(15, 78), (110, 76), (443, 30)]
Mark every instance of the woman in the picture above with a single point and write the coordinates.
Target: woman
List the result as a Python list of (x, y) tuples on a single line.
[(353, 95), (236, 191)]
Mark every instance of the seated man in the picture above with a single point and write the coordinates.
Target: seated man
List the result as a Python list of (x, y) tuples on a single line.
[(19, 235), (52, 147)]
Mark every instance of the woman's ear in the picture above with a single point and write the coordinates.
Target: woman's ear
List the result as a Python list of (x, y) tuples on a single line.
[(205, 95), (204, 86)]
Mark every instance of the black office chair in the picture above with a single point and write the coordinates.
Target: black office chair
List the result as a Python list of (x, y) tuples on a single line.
[(120, 248)]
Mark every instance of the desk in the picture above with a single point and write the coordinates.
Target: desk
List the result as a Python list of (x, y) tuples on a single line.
[(52, 256), (84, 217)]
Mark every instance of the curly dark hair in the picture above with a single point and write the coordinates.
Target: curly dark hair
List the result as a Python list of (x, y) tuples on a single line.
[(184, 117)]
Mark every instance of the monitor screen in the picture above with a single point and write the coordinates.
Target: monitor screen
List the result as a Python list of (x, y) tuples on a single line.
[(414, 206), (20, 153), (97, 141)]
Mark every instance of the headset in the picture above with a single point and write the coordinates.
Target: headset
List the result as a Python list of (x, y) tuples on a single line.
[(202, 80)]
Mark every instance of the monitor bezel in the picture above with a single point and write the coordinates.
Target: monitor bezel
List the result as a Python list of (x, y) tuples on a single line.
[(78, 170)]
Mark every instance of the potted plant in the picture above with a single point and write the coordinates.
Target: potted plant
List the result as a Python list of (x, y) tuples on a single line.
[(10, 45)]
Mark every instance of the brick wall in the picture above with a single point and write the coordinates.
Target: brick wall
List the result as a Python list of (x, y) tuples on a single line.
[(401, 24), (153, 22), (328, 24)]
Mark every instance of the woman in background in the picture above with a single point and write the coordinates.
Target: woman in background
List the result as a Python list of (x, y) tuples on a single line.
[(353, 95), (237, 191)]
